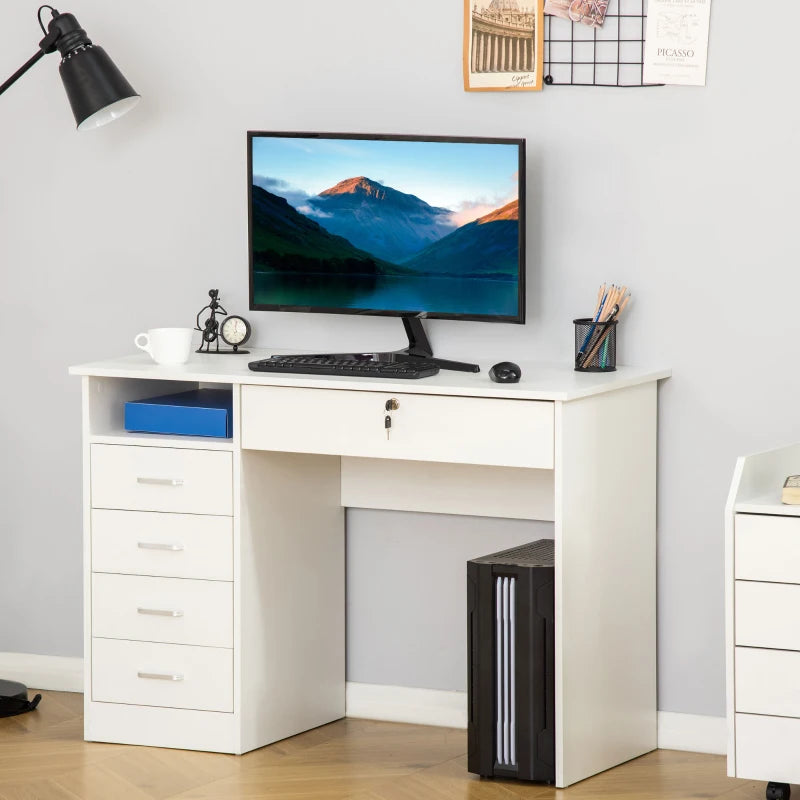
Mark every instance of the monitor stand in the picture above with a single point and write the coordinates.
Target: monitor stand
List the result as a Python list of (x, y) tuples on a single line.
[(419, 349)]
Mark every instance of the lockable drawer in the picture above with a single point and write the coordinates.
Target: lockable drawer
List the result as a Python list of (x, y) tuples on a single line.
[(162, 479), (169, 545), (171, 675), (767, 548), (466, 430), (172, 610)]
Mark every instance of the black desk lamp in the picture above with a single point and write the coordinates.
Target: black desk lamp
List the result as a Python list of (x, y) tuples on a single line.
[(97, 90), (98, 93)]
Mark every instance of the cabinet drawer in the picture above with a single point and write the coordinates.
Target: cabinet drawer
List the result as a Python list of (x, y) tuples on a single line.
[(162, 479), (768, 682), (169, 545), (767, 748), (173, 610), (468, 430), (147, 674), (767, 548), (767, 615)]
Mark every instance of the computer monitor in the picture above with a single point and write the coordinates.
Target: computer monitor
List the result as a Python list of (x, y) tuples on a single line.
[(408, 226)]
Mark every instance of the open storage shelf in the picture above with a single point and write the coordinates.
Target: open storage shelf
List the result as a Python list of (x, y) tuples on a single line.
[(106, 410)]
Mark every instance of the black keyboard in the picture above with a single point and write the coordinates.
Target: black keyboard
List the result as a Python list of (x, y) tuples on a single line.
[(324, 365)]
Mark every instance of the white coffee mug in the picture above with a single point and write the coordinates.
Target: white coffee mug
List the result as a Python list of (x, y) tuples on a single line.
[(166, 345)]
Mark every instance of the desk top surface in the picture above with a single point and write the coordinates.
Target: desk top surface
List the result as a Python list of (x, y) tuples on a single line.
[(540, 381)]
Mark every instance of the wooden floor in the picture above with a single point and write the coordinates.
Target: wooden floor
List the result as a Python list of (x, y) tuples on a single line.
[(43, 757)]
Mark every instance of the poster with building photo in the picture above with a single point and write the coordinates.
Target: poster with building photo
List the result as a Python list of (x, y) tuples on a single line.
[(503, 45)]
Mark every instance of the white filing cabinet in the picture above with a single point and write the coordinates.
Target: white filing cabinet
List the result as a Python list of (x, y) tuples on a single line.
[(763, 623), (162, 641)]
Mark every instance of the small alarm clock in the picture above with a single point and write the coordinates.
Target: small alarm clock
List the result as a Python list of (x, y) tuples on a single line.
[(235, 331)]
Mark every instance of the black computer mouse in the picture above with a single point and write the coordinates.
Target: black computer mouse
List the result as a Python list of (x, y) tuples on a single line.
[(505, 372)]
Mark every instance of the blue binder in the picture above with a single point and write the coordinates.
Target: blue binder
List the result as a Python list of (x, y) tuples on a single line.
[(201, 412)]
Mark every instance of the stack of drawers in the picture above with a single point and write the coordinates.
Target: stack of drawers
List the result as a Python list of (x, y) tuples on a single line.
[(767, 646), (162, 577)]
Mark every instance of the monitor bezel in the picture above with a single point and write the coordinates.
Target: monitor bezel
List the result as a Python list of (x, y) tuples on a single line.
[(518, 318)]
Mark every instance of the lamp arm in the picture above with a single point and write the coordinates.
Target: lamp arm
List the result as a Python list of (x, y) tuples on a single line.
[(47, 45), (21, 71)]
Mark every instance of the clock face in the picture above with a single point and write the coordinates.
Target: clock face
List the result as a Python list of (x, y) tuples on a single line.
[(235, 331)]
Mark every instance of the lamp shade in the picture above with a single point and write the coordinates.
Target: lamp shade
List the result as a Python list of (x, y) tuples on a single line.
[(98, 92)]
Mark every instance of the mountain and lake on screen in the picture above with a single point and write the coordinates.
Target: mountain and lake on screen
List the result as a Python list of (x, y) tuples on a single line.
[(489, 246), (360, 244), (392, 225), (286, 240)]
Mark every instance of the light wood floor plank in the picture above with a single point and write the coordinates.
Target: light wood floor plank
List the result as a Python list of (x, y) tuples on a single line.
[(99, 782), (43, 757), (158, 773), (35, 790)]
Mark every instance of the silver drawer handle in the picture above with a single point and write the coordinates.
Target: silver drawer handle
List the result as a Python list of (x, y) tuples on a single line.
[(157, 612), (160, 481), (173, 548), (155, 676)]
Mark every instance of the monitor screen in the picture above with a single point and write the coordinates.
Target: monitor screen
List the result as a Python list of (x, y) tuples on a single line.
[(389, 225)]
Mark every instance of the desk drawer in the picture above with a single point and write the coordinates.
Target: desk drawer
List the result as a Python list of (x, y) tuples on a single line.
[(767, 748), (768, 682), (162, 479), (172, 675), (767, 548), (172, 610), (467, 430), (169, 545), (767, 615)]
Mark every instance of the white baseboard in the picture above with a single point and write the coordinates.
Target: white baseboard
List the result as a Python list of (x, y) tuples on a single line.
[(692, 732), (371, 701), (449, 709), (401, 704), (55, 673)]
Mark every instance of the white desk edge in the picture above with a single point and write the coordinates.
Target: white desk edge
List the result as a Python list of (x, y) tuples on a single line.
[(540, 381)]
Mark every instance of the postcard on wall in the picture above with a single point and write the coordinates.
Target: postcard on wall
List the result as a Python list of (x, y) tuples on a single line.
[(676, 45), (503, 45), (587, 12)]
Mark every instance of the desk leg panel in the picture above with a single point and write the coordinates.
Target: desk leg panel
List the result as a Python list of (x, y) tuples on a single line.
[(292, 577), (86, 389), (605, 553)]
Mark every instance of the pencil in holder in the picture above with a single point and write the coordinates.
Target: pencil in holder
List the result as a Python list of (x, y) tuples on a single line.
[(595, 346)]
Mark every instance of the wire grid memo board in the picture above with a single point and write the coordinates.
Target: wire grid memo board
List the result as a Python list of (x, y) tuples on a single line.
[(612, 55)]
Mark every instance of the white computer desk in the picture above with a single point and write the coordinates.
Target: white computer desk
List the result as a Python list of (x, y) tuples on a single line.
[(214, 588)]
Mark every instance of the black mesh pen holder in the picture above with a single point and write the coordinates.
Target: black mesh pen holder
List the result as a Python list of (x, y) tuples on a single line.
[(595, 346)]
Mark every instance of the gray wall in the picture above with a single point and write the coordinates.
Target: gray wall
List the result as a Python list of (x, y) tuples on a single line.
[(688, 195), (406, 592)]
